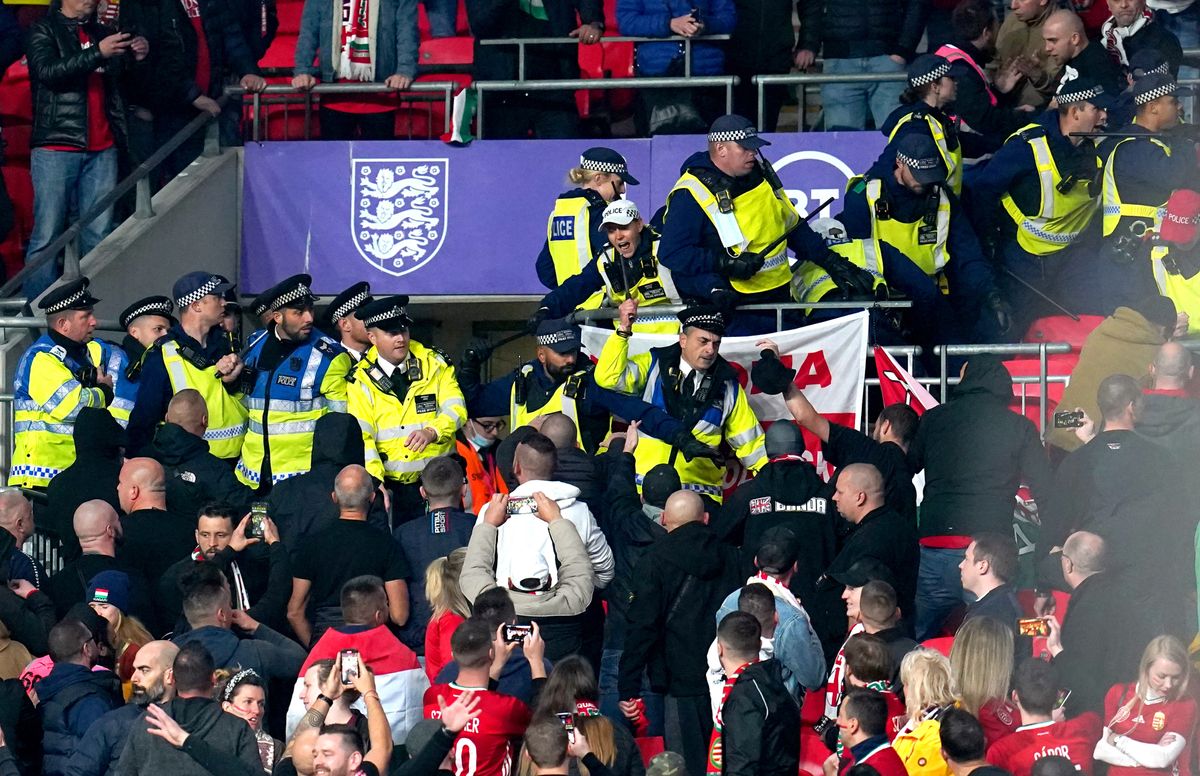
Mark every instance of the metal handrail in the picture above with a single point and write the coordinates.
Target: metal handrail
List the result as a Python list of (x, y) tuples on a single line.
[(446, 88), (590, 84), (68, 241), (521, 43), (804, 80), (19, 322), (611, 313)]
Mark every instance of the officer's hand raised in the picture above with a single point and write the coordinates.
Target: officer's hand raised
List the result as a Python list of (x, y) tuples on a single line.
[(477, 352), (628, 314)]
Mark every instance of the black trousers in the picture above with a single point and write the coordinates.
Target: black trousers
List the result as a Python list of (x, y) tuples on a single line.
[(687, 729)]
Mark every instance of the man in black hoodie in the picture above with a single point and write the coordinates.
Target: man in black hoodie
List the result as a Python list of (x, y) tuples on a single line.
[(677, 586), (93, 475), (301, 506), (194, 736), (975, 452), (195, 477)]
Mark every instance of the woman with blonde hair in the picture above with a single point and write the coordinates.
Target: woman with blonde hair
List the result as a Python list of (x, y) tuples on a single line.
[(928, 691), (1151, 722), (982, 662), (573, 234), (108, 595), (450, 609)]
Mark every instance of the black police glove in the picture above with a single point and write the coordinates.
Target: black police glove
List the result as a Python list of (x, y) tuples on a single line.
[(852, 281), (770, 375), (536, 319), (724, 298), (476, 354), (692, 448), (741, 267), (1000, 311)]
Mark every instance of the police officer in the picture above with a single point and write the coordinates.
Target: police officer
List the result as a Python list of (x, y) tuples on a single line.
[(626, 268), (560, 380), (571, 237), (193, 354), (695, 386), (919, 225), (293, 376), (144, 322), (341, 321), (813, 284), (923, 109), (724, 221), (407, 401), (1047, 182), (1177, 272), (1140, 172), (63, 371)]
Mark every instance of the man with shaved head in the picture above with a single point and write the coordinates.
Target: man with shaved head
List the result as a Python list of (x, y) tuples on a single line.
[(348, 548), (153, 682), (1170, 416), (16, 517), (881, 534), (677, 585), (155, 537), (195, 477), (99, 531), (99, 447), (1067, 44)]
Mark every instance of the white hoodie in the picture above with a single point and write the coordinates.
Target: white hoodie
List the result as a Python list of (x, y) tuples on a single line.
[(523, 546)]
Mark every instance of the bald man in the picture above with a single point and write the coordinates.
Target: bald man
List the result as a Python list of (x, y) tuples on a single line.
[(195, 478), (677, 585), (881, 534), (348, 548), (1067, 44), (155, 537), (153, 681), (16, 517), (99, 531), (1170, 416)]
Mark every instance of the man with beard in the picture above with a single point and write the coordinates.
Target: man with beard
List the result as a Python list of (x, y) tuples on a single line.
[(293, 376), (153, 682)]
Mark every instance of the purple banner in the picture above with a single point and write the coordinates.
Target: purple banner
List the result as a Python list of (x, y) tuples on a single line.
[(424, 218)]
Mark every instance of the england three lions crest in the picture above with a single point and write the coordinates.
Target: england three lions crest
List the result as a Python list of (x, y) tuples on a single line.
[(398, 211)]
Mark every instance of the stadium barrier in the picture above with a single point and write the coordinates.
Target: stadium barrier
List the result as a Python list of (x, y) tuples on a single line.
[(521, 44)]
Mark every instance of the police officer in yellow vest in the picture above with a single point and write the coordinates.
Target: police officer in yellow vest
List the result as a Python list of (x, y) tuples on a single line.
[(293, 376), (627, 268), (63, 371), (1047, 181), (726, 209), (144, 322), (406, 399), (1147, 161), (572, 239), (560, 379), (813, 284), (926, 243), (342, 323), (1178, 272), (193, 354), (923, 108), (695, 386)]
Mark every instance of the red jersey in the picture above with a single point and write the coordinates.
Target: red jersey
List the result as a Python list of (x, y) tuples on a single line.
[(487, 744), (1148, 722), (897, 714), (998, 718), (882, 758), (1073, 739)]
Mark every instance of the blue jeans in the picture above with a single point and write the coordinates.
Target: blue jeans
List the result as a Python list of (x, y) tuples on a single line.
[(1186, 26), (845, 105), (609, 666), (939, 589), (443, 17), (66, 182)]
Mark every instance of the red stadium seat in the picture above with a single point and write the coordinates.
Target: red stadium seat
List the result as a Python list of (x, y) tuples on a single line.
[(16, 103), (447, 51), (282, 52), (415, 123), (290, 12), (649, 747), (940, 643), (1060, 328), (16, 143), (20, 189)]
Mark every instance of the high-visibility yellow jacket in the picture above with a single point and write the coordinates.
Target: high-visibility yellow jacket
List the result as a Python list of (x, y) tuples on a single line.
[(1062, 216), (726, 415), (432, 400), (226, 415)]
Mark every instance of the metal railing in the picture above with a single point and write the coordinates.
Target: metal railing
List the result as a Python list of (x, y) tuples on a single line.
[(589, 84), (445, 88), (139, 178), (779, 308), (521, 43)]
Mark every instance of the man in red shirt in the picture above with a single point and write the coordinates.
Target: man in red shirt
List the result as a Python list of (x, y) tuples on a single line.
[(862, 730), (1035, 692), (486, 746)]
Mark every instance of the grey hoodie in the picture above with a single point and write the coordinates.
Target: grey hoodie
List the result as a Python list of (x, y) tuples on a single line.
[(217, 743)]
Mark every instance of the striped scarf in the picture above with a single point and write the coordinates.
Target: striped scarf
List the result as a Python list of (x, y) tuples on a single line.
[(1114, 36), (356, 62), (716, 755)]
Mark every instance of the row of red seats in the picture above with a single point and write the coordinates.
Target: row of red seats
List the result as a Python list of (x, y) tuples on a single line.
[(16, 118)]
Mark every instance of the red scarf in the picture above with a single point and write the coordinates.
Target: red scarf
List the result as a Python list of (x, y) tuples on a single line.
[(716, 754), (355, 63)]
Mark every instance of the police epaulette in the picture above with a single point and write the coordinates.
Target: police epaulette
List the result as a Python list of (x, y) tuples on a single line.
[(445, 356), (1031, 133), (328, 347), (593, 197), (714, 180)]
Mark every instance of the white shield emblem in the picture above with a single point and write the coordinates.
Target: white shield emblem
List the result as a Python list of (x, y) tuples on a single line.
[(398, 211)]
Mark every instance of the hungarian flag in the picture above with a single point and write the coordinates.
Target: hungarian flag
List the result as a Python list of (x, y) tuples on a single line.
[(900, 387), (462, 114), (399, 678)]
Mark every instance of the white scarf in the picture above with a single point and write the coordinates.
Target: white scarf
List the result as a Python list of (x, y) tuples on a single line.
[(777, 588), (1114, 36)]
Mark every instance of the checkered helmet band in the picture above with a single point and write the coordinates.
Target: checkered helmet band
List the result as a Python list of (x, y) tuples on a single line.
[(63, 304), (200, 292), (349, 306), (394, 312), (617, 168), (555, 337), (1154, 94), (916, 164), (732, 135), (301, 291), (156, 308), (941, 69), (706, 319)]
